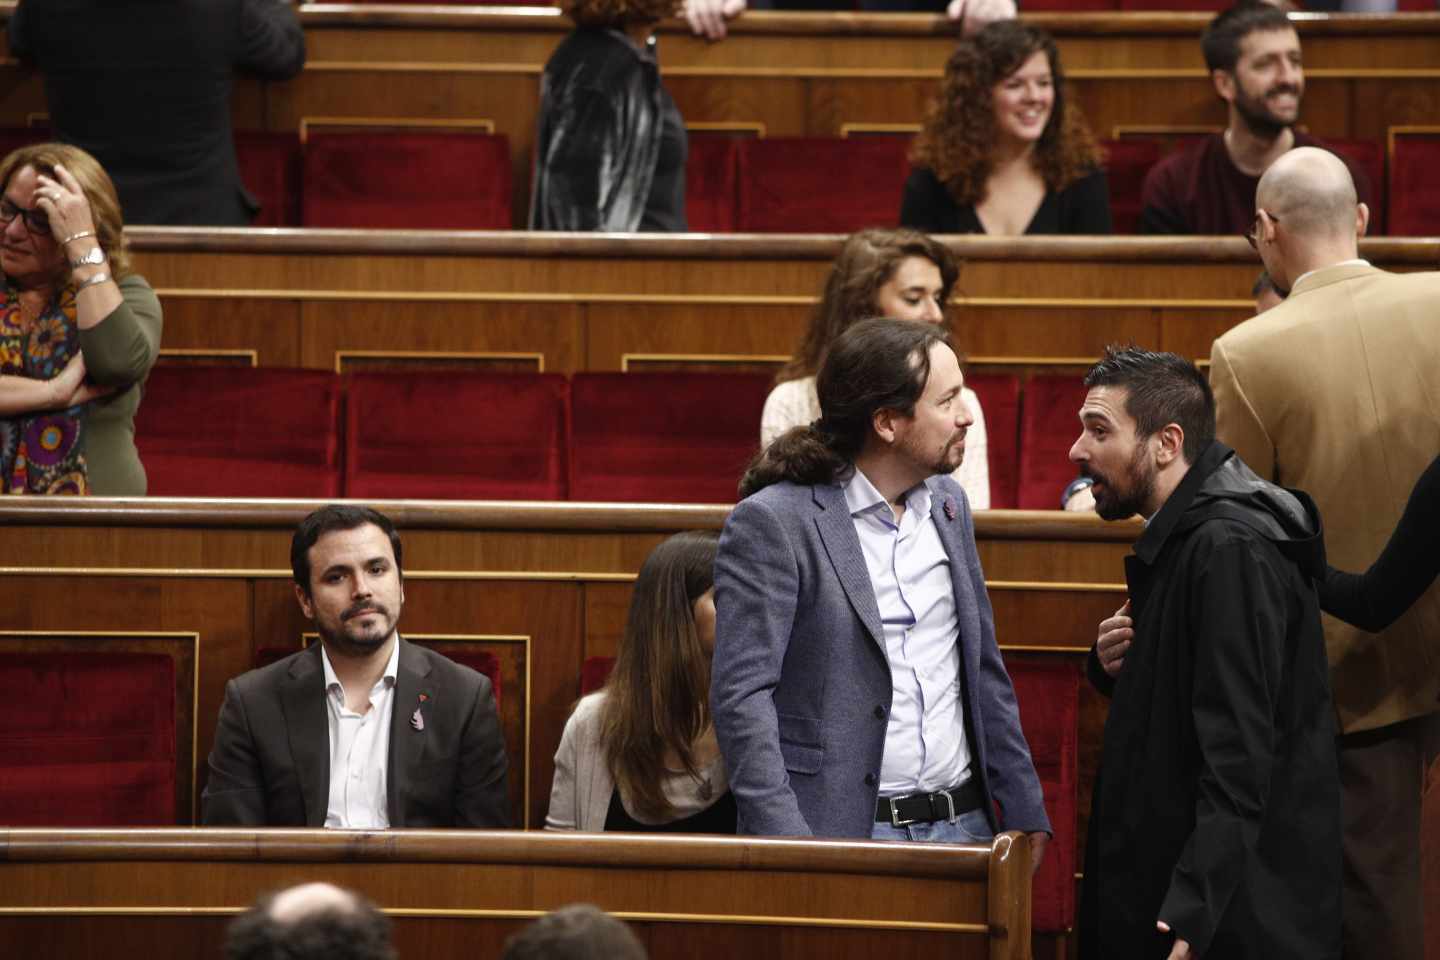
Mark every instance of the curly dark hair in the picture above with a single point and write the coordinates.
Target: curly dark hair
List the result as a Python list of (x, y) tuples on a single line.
[(957, 140), (618, 13), (866, 263)]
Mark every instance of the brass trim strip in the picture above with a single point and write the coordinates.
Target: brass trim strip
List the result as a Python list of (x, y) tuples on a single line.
[(194, 637), (1073, 303), (736, 358), (867, 128), (342, 355), (1061, 586), (1039, 648), (251, 354), (737, 919), (756, 127), (431, 123)]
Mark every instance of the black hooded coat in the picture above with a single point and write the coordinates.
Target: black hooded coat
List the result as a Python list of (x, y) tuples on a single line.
[(1217, 803)]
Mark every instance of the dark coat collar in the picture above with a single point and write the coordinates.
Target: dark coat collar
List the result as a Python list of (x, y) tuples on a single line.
[(1163, 524)]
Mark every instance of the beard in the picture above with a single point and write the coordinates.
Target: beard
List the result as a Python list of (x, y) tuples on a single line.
[(354, 639), (1256, 114), (1119, 501), (946, 461)]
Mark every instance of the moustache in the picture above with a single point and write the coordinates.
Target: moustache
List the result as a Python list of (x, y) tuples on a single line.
[(364, 608), (1289, 88)]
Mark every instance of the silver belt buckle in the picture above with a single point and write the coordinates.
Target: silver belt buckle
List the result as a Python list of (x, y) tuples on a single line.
[(895, 820)]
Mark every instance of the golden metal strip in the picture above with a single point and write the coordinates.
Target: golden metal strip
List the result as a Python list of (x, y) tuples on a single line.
[(1062, 586), (736, 358), (737, 919), (194, 637), (342, 355), (729, 126), (1097, 304), (482, 124), (252, 355), (863, 128), (404, 66), (1022, 648)]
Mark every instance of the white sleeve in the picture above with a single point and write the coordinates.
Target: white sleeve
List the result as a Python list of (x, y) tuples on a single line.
[(974, 473)]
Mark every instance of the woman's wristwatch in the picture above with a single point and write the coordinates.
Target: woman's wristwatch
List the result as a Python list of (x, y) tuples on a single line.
[(91, 258)]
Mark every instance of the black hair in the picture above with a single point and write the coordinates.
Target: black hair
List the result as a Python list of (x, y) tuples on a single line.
[(1162, 388), (1221, 39), (577, 932), (335, 516), (873, 365)]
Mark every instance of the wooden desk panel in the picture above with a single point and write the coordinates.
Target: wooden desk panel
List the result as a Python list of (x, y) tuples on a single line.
[(789, 898)]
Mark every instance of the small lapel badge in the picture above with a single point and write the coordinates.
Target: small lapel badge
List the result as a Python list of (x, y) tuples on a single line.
[(949, 508), (417, 719)]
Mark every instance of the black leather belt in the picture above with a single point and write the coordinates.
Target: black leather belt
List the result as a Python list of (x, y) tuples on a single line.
[(929, 807)]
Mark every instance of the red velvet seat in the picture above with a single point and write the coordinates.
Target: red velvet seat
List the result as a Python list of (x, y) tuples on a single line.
[(1049, 424), (222, 431), (821, 184), (663, 437), (1126, 163), (456, 436), (1000, 399), (1414, 199), (594, 672), (87, 739), (1047, 689), (711, 171), (407, 180), (1369, 157), (270, 168)]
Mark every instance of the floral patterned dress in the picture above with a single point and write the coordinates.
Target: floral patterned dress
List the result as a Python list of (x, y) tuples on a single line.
[(41, 452)]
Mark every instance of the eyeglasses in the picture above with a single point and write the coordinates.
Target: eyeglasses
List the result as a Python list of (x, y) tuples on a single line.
[(1254, 235), (36, 222)]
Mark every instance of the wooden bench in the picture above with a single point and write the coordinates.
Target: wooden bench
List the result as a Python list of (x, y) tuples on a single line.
[(456, 895)]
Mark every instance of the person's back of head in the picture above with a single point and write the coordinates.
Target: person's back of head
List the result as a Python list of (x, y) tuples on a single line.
[(577, 932), (873, 365), (1308, 214), (314, 921)]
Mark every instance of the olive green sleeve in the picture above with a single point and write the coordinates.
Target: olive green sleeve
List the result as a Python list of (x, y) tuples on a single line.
[(121, 348)]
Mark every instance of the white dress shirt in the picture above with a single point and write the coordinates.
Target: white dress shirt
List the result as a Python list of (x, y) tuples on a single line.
[(925, 746), (359, 750)]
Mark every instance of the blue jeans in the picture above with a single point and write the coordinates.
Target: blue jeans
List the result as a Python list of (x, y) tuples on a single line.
[(971, 827)]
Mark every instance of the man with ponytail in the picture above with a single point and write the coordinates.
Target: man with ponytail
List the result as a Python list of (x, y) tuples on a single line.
[(857, 689)]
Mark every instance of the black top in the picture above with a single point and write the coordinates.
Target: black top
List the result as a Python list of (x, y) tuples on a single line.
[(145, 88), (1407, 566), (1081, 208), (719, 817), (665, 206)]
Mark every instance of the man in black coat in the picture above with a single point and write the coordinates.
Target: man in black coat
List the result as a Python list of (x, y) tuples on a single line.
[(144, 86), (1215, 825)]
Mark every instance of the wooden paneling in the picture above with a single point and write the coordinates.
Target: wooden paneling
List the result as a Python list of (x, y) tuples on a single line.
[(451, 890)]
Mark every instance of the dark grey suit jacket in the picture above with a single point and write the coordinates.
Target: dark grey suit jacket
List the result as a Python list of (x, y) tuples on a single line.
[(270, 765), (801, 685)]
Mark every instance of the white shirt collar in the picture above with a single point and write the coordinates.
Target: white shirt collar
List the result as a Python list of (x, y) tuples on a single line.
[(862, 497), (1358, 261), (392, 667)]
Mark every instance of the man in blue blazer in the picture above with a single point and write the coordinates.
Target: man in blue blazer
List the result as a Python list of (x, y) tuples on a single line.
[(857, 689)]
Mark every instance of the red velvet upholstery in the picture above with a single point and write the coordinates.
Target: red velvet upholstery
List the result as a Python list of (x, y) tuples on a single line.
[(458, 436), (711, 172), (663, 437), (270, 168), (782, 189), (87, 739), (406, 180), (226, 431), (1126, 163), (1049, 424), (1414, 199), (594, 672), (1048, 691), (1369, 156), (1000, 399)]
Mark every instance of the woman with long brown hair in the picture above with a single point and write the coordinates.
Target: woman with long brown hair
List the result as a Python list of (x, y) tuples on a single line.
[(900, 274), (1002, 151), (641, 754)]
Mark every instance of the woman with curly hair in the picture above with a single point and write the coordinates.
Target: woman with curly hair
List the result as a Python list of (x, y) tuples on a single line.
[(901, 274), (641, 754), (610, 151), (67, 421), (1001, 152)]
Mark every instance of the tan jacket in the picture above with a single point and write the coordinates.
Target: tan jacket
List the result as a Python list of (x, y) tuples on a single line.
[(1337, 392)]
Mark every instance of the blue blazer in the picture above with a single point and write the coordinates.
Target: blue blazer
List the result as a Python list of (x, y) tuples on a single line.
[(801, 684)]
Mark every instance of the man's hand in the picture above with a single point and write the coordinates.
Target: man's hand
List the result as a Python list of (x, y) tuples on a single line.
[(1181, 950), (707, 17), (1115, 635), (975, 15), (1038, 840)]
